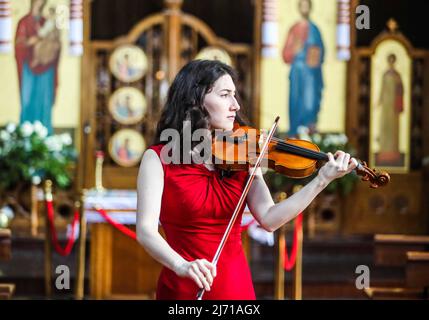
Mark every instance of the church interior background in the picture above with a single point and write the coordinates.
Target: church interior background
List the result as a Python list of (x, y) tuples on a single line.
[(83, 83)]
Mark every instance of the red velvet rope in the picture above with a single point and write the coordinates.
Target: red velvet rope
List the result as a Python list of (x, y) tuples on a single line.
[(247, 225), (69, 245), (289, 263), (131, 233), (120, 227)]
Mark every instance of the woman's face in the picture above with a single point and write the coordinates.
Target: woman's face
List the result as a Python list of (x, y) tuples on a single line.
[(221, 104)]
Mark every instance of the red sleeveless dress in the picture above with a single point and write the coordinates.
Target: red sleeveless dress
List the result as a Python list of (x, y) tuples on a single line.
[(197, 204)]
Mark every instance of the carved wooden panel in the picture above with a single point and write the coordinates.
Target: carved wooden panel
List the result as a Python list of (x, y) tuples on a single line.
[(417, 115), (152, 85), (363, 105), (169, 40), (399, 207)]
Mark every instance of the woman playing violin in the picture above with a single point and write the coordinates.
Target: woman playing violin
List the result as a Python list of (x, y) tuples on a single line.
[(193, 202)]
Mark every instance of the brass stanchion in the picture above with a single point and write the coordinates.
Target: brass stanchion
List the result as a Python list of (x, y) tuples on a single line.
[(48, 245), (297, 271), (34, 219), (280, 242), (80, 273), (279, 276), (99, 171)]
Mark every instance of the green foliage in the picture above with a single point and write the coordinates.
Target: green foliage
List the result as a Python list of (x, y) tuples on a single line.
[(28, 154)]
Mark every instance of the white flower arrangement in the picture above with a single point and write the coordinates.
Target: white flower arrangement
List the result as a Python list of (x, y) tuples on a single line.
[(332, 142), (28, 154)]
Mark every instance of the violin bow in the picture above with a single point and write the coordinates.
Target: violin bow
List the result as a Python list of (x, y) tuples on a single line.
[(242, 198)]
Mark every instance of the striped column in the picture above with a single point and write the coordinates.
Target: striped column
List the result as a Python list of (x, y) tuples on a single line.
[(343, 29), (76, 28), (270, 29), (5, 27)]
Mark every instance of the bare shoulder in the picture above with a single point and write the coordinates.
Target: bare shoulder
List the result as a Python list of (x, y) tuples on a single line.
[(150, 155), (151, 165)]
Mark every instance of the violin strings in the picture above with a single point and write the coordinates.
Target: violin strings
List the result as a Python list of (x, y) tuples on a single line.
[(311, 153), (302, 151)]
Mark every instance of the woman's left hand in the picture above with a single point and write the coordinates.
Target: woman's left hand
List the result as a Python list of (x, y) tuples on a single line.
[(337, 166)]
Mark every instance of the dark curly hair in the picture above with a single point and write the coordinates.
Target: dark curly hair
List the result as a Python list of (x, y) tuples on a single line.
[(186, 94)]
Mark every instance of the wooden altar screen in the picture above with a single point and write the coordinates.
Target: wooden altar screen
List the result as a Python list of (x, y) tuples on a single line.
[(400, 207)]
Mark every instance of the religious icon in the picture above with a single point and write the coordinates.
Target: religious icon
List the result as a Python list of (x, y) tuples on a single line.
[(214, 53), (390, 106), (37, 53), (126, 147), (304, 51), (127, 105), (128, 63), (391, 102)]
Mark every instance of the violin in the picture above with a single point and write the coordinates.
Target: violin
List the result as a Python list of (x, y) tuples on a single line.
[(294, 158)]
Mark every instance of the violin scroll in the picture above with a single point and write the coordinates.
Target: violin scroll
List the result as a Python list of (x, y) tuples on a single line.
[(376, 179)]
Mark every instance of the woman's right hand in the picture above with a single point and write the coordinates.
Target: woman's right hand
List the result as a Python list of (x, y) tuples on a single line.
[(201, 271)]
